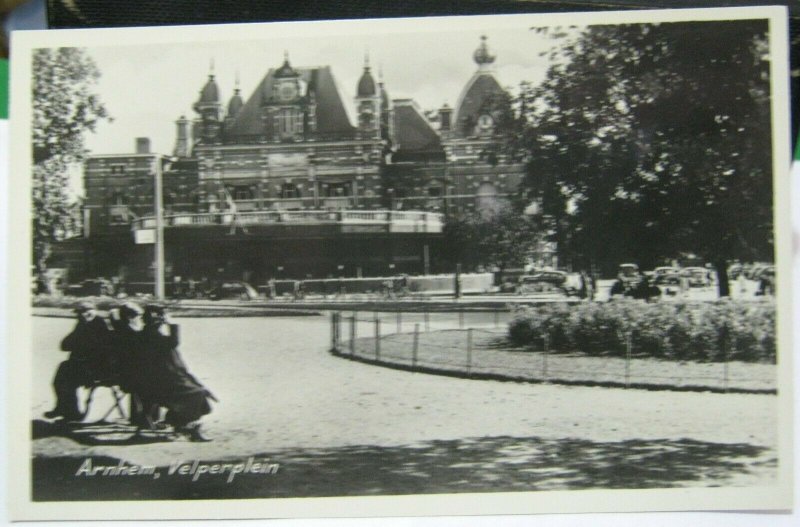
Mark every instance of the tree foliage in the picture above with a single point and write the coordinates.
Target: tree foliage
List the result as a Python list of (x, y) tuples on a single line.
[(65, 108), (503, 238), (646, 141)]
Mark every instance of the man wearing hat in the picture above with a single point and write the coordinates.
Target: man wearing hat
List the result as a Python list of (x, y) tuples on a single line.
[(90, 360)]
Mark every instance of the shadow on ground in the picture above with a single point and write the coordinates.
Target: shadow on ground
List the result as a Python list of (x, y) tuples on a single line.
[(492, 464), (98, 433)]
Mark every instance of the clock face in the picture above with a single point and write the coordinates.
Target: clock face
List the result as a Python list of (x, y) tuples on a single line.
[(485, 122), (287, 92)]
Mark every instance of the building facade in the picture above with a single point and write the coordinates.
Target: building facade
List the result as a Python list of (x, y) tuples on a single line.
[(280, 183)]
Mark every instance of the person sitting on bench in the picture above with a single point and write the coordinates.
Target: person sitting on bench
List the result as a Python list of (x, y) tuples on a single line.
[(90, 361), (166, 380)]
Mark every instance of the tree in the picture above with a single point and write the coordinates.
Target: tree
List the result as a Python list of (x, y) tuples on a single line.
[(501, 239), (65, 108), (649, 140)]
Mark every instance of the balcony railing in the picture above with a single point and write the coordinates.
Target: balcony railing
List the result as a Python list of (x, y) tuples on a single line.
[(385, 220)]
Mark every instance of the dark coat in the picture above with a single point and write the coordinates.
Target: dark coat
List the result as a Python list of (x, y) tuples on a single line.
[(129, 348), (167, 378), (90, 343)]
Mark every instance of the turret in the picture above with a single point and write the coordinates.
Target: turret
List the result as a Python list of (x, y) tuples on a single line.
[(209, 108), (368, 104)]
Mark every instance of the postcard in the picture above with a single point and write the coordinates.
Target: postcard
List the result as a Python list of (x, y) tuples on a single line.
[(475, 265)]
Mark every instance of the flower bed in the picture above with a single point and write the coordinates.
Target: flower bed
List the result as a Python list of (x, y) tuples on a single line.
[(707, 331)]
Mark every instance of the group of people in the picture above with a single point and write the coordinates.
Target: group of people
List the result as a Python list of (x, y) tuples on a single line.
[(136, 349)]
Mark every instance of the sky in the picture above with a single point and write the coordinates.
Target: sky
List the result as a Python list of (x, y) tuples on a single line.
[(147, 87)]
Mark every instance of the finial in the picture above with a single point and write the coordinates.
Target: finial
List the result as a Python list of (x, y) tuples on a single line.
[(481, 55), (236, 85), (366, 60), (211, 68), (380, 73), (286, 55)]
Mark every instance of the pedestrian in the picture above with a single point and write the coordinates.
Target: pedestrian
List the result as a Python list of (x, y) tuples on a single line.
[(168, 381), (90, 360)]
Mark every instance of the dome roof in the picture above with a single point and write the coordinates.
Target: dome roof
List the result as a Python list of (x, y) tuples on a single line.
[(482, 55), (366, 84), (482, 88), (210, 92), (235, 104)]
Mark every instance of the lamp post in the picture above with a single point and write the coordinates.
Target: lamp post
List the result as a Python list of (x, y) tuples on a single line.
[(159, 205)]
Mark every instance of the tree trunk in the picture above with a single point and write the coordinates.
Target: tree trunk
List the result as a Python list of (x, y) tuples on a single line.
[(43, 250), (722, 278)]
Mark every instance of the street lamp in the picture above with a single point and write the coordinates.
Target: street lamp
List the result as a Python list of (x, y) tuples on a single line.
[(159, 205)]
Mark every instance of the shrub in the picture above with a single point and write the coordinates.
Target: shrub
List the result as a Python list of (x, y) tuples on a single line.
[(707, 331)]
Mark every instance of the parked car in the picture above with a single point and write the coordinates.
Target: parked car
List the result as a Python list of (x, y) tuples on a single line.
[(766, 281), (734, 270), (696, 276), (229, 290), (666, 276), (541, 281)]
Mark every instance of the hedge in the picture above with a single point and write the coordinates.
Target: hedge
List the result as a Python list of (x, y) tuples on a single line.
[(707, 331)]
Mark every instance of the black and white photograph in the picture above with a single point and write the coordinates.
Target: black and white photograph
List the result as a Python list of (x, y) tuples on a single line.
[(460, 265)]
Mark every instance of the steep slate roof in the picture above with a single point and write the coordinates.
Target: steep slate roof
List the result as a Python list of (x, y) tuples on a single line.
[(412, 131), (481, 87), (210, 92), (331, 115)]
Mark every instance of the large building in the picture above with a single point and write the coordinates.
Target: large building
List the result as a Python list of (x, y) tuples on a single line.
[(281, 184)]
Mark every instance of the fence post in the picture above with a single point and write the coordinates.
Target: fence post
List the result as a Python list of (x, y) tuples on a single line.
[(377, 338), (496, 318), (725, 365), (399, 320), (461, 320), (544, 357), (469, 351), (427, 321), (334, 343), (415, 349), (352, 335), (628, 350)]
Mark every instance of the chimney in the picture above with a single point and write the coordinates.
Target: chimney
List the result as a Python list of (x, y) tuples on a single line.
[(445, 113), (142, 145), (182, 137)]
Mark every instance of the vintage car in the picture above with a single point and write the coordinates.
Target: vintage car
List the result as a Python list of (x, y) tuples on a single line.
[(666, 276), (766, 281), (696, 276), (231, 290), (542, 281)]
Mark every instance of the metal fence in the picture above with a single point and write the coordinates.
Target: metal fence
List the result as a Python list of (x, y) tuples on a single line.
[(475, 345)]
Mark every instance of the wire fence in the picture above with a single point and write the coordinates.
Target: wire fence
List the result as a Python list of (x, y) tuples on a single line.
[(475, 344)]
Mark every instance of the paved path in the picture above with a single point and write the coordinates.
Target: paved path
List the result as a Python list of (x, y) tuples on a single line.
[(279, 387), (280, 390)]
